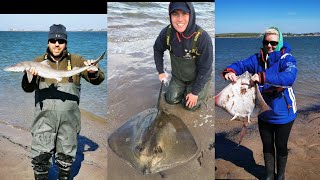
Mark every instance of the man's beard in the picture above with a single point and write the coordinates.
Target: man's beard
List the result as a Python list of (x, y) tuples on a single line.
[(58, 56)]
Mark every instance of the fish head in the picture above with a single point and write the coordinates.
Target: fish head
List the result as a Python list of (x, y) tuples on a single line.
[(245, 78)]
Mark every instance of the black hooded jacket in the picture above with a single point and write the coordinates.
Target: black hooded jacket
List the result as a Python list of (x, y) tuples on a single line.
[(204, 61)]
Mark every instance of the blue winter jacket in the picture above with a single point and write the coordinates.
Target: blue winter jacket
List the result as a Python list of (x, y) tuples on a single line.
[(281, 71)]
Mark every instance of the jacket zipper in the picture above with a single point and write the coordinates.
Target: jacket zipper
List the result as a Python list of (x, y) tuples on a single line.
[(57, 64)]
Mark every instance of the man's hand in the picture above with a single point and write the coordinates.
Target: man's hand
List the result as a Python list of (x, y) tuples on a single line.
[(92, 69), (191, 100), (231, 76), (33, 71), (163, 77)]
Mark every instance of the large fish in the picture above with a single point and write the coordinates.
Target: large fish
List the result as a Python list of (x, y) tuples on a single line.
[(242, 99), (153, 141), (44, 69)]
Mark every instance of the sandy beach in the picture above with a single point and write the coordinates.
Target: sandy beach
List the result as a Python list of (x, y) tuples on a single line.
[(91, 160), (246, 161)]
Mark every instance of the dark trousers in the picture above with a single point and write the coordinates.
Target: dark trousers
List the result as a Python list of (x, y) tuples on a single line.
[(275, 135)]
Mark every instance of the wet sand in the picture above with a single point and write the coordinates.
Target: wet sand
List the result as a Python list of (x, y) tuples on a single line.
[(91, 160), (133, 88), (246, 161)]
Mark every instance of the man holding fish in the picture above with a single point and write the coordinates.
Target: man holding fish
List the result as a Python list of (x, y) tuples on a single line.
[(56, 122), (274, 69)]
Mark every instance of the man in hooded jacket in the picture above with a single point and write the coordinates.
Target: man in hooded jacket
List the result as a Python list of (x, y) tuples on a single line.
[(191, 54)]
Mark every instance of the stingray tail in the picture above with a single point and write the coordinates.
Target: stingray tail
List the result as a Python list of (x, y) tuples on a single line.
[(242, 133)]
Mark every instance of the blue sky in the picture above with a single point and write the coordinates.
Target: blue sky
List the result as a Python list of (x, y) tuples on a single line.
[(294, 16), (44, 21)]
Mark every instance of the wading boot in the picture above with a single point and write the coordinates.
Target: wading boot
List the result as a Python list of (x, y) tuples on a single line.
[(64, 163), (41, 175), (41, 166), (64, 174), (281, 167), (269, 166)]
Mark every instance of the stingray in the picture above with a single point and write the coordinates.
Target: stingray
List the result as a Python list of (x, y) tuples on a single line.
[(153, 141), (242, 99)]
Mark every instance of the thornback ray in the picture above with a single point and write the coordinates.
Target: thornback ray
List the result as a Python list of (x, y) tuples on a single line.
[(242, 99), (153, 141), (44, 69)]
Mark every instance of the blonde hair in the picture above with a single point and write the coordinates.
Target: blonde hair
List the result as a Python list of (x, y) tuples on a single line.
[(271, 31)]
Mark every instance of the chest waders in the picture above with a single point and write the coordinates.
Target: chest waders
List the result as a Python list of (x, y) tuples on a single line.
[(56, 126), (184, 72)]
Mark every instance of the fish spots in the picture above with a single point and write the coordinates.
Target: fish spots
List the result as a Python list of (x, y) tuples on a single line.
[(228, 97), (243, 91)]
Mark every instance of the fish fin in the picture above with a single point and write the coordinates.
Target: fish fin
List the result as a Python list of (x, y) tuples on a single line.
[(99, 58), (261, 106), (234, 117), (29, 76), (59, 79), (45, 62)]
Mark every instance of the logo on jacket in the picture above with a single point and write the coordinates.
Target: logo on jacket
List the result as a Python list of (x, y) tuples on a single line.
[(187, 55)]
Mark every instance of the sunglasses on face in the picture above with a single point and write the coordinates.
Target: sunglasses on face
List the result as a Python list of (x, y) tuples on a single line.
[(60, 41), (273, 43)]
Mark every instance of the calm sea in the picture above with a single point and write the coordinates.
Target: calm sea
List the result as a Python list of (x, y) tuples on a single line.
[(17, 106), (304, 49)]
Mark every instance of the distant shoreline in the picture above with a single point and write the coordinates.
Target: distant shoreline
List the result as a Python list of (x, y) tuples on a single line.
[(256, 35), (259, 37), (47, 31)]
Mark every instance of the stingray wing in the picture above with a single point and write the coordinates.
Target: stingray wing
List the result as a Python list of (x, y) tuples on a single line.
[(260, 104), (225, 99), (165, 132)]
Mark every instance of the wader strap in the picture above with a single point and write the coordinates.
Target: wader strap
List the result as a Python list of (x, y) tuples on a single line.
[(194, 43), (69, 66), (168, 37)]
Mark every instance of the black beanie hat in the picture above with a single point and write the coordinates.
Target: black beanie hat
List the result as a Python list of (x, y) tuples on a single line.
[(57, 31)]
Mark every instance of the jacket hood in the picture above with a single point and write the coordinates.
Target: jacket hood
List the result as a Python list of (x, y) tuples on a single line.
[(275, 54), (287, 46), (280, 44), (191, 28)]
